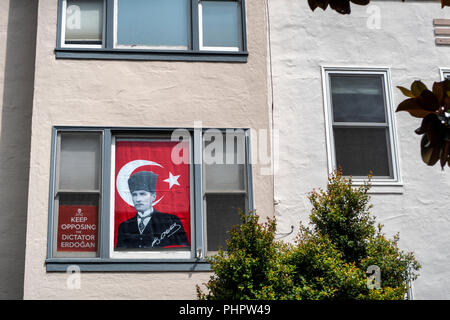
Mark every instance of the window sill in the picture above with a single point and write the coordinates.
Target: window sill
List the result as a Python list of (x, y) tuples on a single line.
[(150, 55), (116, 265), (385, 187)]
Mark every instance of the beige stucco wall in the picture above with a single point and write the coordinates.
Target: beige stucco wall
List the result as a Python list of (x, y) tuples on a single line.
[(141, 94), (302, 42), (17, 41)]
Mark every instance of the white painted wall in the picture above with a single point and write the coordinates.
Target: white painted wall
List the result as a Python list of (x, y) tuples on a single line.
[(301, 42)]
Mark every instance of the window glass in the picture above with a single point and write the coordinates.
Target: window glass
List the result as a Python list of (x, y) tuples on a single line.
[(360, 150), (84, 22), (160, 23), (224, 158), (357, 98), (222, 215), (76, 219), (221, 24), (225, 183), (79, 161)]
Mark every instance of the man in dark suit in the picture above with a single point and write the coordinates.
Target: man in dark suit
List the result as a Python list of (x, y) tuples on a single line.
[(149, 228)]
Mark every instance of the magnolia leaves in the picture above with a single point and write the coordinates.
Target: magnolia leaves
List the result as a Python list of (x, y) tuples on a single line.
[(434, 108), (341, 6)]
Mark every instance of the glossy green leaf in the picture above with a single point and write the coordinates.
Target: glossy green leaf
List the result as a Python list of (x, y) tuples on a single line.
[(417, 87), (406, 92), (413, 106), (361, 2)]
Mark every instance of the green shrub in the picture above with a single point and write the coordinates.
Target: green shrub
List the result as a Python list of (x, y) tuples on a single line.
[(252, 267), (328, 260)]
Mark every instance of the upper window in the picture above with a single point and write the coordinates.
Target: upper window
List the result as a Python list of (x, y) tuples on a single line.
[(152, 24), (361, 136), (83, 23), (153, 29), (143, 196)]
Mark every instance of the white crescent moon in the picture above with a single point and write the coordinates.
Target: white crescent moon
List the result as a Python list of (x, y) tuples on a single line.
[(124, 175)]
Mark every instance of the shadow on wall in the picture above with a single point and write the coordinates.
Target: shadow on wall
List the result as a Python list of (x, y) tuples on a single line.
[(15, 136)]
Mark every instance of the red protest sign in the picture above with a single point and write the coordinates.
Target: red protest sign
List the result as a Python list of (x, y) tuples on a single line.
[(77, 228)]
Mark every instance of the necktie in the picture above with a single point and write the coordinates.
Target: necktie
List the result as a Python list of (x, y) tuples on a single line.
[(141, 223)]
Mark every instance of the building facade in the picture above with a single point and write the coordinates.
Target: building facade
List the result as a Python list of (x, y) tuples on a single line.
[(230, 104), (329, 71), (105, 89)]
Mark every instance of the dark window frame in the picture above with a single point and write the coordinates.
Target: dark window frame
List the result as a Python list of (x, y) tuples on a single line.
[(104, 262), (108, 52)]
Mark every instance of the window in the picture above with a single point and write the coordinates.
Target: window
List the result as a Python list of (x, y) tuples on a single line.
[(77, 196), (153, 24), (125, 200), (205, 30), (220, 25), (83, 24), (445, 73), (360, 127), (224, 184)]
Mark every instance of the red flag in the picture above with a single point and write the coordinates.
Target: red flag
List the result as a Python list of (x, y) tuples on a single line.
[(173, 182)]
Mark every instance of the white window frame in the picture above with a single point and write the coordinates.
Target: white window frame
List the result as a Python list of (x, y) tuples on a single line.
[(200, 30), (379, 185), (85, 46), (445, 73)]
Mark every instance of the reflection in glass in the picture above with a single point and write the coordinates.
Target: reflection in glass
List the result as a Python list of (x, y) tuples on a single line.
[(357, 98), (84, 22), (79, 161), (221, 24), (159, 23)]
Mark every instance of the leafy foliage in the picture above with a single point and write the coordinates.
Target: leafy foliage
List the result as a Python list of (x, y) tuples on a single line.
[(434, 108), (343, 6), (328, 260), (252, 267)]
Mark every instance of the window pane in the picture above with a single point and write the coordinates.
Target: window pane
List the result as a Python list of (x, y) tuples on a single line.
[(222, 215), (360, 150), (79, 161), (153, 22), (84, 21), (224, 177), (224, 158), (221, 24), (357, 98), (77, 224)]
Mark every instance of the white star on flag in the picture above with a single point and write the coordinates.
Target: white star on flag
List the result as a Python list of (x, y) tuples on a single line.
[(171, 180)]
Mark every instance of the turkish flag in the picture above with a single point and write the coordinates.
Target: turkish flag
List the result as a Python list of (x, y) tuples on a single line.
[(173, 182)]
